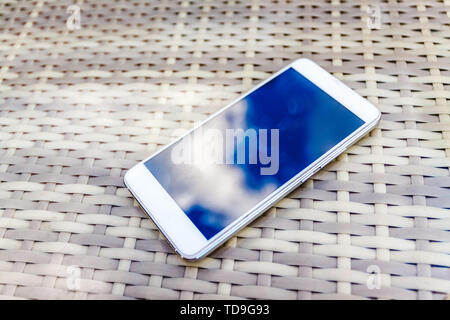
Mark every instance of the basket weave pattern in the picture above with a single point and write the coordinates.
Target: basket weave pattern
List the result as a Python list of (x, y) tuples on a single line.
[(80, 107)]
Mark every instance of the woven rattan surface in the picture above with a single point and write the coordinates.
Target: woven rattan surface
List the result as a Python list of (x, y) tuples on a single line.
[(78, 107)]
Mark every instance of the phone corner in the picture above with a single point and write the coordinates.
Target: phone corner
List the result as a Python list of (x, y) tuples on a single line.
[(126, 178), (304, 60), (189, 257), (378, 116), (197, 255)]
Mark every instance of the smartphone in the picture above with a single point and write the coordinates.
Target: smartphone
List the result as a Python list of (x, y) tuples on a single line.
[(215, 179)]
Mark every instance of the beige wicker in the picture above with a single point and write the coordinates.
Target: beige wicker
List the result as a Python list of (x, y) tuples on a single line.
[(80, 107)]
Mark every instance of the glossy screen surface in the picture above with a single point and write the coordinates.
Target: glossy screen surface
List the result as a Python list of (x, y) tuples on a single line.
[(288, 123)]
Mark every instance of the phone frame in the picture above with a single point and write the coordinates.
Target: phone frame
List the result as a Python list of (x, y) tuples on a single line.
[(175, 225)]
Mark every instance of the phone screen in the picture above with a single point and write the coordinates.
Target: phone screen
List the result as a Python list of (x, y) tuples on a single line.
[(225, 167)]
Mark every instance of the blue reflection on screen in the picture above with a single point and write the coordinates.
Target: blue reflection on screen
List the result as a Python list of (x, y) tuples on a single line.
[(309, 123)]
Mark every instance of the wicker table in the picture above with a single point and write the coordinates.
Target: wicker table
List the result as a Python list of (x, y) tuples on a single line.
[(78, 107)]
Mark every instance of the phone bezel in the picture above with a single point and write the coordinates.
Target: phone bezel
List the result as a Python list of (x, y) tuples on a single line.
[(183, 235)]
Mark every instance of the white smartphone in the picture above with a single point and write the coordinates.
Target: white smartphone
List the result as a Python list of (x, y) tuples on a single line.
[(212, 181)]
